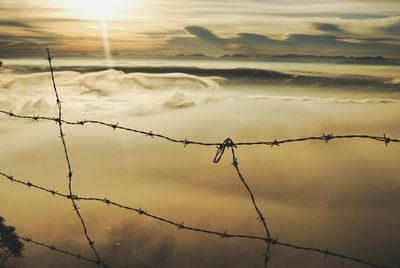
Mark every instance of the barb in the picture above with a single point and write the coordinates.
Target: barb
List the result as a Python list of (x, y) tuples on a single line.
[(386, 140), (78, 256), (70, 172), (182, 226)]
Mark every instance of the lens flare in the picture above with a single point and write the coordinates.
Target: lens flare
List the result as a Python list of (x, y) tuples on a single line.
[(102, 11)]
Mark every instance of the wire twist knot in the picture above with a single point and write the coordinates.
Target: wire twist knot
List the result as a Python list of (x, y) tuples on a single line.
[(228, 143)]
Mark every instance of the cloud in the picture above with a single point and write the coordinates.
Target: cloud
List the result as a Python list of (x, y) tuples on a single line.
[(328, 27), (133, 93), (393, 29), (254, 38), (21, 38), (8, 44), (205, 34), (137, 93), (394, 81), (251, 43), (17, 24), (30, 36), (334, 15), (322, 100)]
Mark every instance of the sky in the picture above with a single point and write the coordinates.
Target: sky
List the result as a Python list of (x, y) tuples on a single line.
[(213, 28)]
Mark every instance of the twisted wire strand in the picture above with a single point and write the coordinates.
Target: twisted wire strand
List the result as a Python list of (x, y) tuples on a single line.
[(183, 226), (67, 159)]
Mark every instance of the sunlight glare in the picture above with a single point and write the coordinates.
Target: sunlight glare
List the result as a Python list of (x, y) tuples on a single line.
[(102, 11), (99, 9)]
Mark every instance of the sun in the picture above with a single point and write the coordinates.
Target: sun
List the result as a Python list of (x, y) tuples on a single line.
[(104, 12), (98, 9), (101, 11)]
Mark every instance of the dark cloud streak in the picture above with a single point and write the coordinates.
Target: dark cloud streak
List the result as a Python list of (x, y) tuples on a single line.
[(393, 29), (331, 43), (7, 23), (205, 34), (328, 27)]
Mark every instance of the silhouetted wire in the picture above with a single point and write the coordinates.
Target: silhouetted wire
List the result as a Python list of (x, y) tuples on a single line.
[(182, 226), (78, 256), (70, 172)]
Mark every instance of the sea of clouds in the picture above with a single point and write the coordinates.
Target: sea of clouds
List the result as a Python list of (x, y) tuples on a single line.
[(137, 93)]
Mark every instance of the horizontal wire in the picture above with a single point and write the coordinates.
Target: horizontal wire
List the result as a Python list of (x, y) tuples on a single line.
[(324, 137)]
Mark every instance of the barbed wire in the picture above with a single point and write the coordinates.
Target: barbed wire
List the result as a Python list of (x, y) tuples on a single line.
[(67, 159), (324, 137), (221, 147), (180, 225), (78, 256), (229, 144)]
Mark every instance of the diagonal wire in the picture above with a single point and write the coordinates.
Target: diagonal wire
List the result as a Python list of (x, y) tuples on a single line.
[(229, 144), (70, 172), (182, 226)]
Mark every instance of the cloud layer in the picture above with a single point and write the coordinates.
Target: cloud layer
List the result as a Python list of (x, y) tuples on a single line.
[(132, 91)]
